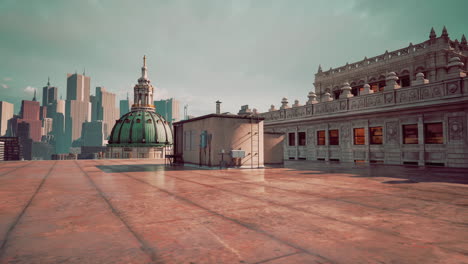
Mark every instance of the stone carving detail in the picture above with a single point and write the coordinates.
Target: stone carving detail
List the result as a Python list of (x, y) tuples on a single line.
[(456, 128), (345, 134), (309, 110), (389, 98), (437, 91), (452, 88), (343, 105), (426, 93), (310, 136), (371, 101), (392, 132)]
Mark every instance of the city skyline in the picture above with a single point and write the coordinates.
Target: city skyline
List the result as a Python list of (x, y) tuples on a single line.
[(263, 50)]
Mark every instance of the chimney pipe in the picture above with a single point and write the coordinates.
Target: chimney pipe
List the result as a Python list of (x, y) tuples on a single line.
[(218, 107)]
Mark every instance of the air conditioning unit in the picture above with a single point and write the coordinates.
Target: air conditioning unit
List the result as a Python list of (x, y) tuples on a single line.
[(237, 153)]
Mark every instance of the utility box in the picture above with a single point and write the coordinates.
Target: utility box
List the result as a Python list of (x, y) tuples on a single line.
[(238, 153)]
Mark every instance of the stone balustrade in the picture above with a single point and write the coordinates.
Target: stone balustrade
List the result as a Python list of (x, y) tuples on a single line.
[(402, 96)]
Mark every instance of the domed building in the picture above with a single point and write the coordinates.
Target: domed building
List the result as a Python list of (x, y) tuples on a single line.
[(141, 133)]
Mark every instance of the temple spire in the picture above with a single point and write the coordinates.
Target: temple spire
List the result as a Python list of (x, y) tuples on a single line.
[(34, 98), (48, 81), (432, 35), (144, 69), (463, 40), (444, 32), (320, 68)]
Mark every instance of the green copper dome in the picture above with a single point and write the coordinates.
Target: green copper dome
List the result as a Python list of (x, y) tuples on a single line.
[(141, 128)]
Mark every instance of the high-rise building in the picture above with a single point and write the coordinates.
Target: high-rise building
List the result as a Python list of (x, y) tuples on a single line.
[(124, 106), (58, 127), (49, 94), (78, 87), (169, 109), (78, 107), (12, 148), (29, 114), (93, 133), (103, 109), (6, 113)]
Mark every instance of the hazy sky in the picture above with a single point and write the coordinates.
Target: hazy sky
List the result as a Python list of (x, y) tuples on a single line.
[(240, 52)]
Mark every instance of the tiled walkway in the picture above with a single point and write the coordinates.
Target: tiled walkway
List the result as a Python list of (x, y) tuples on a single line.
[(135, 211)]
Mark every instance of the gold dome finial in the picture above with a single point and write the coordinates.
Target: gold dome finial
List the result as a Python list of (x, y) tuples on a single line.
[(144, 61)]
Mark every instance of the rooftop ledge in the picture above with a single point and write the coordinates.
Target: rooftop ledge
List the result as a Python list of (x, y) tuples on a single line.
[(414, 95)]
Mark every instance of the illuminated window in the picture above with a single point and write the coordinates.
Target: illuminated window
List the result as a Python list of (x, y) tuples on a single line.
[(292, 139), (127, 120), (302, 138), (321, 137), (333, 137), (433, 133), (149, 121), (138, 120), (359, 136), (376, 135), (410, 134)]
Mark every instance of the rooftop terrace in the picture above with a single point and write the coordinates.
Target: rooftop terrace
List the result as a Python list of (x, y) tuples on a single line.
[(136, 211)]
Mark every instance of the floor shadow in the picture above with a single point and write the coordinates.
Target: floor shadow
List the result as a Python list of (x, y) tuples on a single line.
[(402, 174), (142, 168)]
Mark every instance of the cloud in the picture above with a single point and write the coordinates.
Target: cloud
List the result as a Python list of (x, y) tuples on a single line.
[(4, 86), (7, 79), (29, 90)]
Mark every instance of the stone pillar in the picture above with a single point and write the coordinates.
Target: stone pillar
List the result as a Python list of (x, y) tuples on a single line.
[(367, 90), (346, 91), (296, 143), (455, 68), (420, 79), (284, 103), (391, 82), (327, 97), (312, 98), (296, 103)]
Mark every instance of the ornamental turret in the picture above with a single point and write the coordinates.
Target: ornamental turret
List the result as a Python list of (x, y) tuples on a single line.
[(143, 91)]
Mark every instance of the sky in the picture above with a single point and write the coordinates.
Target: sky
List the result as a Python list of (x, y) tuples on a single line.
[(200, 51)]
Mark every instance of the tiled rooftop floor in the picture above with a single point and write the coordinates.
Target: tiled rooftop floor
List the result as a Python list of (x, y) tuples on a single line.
[(132, 211)]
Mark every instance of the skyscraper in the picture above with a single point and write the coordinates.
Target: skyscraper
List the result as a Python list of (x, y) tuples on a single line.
[(78, 107), (49, 94), (169, 109), (6, 113), (104, 109), (30, 114), (124, 106)]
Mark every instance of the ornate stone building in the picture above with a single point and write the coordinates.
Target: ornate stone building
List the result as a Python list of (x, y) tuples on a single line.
[(141, 133), (408, 106)]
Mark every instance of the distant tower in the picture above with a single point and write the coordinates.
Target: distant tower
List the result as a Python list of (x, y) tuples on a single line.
[(218, 107)]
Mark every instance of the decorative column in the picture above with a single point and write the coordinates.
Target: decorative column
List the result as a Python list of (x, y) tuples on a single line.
[(284, 103), (455, 68), (312, 98), (367, 90), (420, 79), (346, 91), (296, 103), (391, 82), (327, 97)]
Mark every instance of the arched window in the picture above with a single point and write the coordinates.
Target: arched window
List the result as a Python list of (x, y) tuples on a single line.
[(138, 120), (404, 79), (149, 121), (127, 120)]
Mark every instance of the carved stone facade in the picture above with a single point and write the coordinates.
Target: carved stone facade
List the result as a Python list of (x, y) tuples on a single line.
[(407, 119)]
